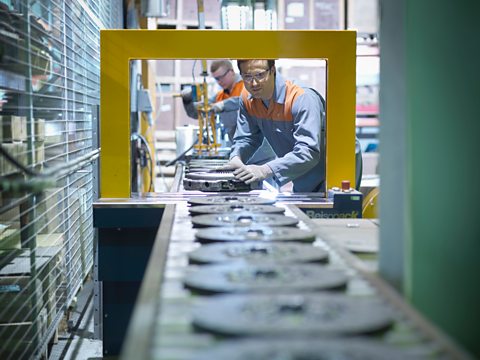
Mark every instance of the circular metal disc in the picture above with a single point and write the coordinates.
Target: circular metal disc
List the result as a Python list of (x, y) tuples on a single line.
[(243, 219), (302, 349), (363, 245), (211, 175), (255, 252), (268, 278), (253, 233), (197, 170), (207, 161), (236, 208), (287, 315), (230, 200)]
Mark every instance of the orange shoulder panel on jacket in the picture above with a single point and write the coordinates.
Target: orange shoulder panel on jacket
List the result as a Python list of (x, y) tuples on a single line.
[(236, 91), (292, 91), (276, 111)]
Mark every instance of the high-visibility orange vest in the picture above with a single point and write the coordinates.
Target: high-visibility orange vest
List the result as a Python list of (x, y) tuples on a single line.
[(236, 91)]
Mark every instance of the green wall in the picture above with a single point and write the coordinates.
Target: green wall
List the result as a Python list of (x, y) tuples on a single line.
[(442, 272)]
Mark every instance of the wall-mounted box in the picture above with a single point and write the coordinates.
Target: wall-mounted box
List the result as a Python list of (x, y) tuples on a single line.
[(14, 128)]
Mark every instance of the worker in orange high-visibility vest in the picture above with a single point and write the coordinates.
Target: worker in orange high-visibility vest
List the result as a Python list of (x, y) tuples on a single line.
[(225, 102)]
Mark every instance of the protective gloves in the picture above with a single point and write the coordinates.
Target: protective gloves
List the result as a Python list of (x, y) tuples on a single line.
[(218, 107), (234, 163), (251, 173)]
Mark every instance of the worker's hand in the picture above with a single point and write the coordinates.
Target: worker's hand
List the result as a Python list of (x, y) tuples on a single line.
[(251, 173), (218, 107), (233, 164), (198, 105)]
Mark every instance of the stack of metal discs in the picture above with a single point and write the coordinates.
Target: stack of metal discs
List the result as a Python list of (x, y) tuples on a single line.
[(216, 180), (264, 277)]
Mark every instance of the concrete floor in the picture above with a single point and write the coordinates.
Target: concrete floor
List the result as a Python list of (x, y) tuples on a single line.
[(77, 341)]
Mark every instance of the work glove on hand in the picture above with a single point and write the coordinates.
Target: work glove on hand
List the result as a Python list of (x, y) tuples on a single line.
[(218, 107), (251, 173), (234, 163)]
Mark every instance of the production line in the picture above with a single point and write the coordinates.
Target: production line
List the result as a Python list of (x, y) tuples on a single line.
[(239, 268), (246, 274), (148, 241), (246, 283)]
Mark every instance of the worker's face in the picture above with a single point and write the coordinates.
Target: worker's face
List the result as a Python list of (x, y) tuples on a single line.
[(259, 80), (224, 77)]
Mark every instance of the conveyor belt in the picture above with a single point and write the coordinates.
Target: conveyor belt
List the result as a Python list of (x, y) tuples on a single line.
[(164, 319)]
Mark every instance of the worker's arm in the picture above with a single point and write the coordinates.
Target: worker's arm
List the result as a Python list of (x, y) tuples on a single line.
[(307, 112), (248, 137), (230, 104)]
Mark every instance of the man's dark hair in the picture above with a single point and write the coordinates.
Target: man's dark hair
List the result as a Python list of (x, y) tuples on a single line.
[(270, 63)]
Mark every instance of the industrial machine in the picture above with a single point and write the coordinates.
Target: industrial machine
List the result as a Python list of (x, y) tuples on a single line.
[(118, 216), (221, 272)]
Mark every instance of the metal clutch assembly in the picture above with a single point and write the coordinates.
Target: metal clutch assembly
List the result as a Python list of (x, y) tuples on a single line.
[(230, 200), (217, 180)]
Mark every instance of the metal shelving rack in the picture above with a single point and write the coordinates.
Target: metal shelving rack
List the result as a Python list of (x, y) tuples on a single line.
[(49, 97)]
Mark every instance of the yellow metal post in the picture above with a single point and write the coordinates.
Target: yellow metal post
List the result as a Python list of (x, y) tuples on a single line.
[(118, 47)]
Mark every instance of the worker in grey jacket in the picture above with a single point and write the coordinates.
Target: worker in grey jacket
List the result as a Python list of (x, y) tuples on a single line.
[(225, 103), (291, 118)]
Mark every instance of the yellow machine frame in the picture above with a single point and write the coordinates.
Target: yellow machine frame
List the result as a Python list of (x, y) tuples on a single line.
[(118, 47)]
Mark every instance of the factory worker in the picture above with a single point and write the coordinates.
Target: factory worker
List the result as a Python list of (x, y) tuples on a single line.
[(291, 118), (225, 103)]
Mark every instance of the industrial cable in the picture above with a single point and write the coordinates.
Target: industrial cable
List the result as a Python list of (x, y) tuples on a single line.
[(150, 160), (39, 181), (17, 164), (182, 155), (149, 157), (193, 70)]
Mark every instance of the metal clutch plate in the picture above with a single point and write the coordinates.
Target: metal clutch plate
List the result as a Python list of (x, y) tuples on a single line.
[(361, 245), (265, 278), (220, 185), (257, 253), (231, 209), (311, 349), (253, 233), (211, 175), (230, 200), (217, 180), (313, 314), (243, 219)]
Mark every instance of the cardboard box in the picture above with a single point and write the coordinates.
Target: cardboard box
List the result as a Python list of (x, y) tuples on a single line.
[(16, 295), (18, 290), (21, 153), (19, 340), (10, 237), (7, 166), (39, 129), (50, 212), (39, 152), (14, 128)]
